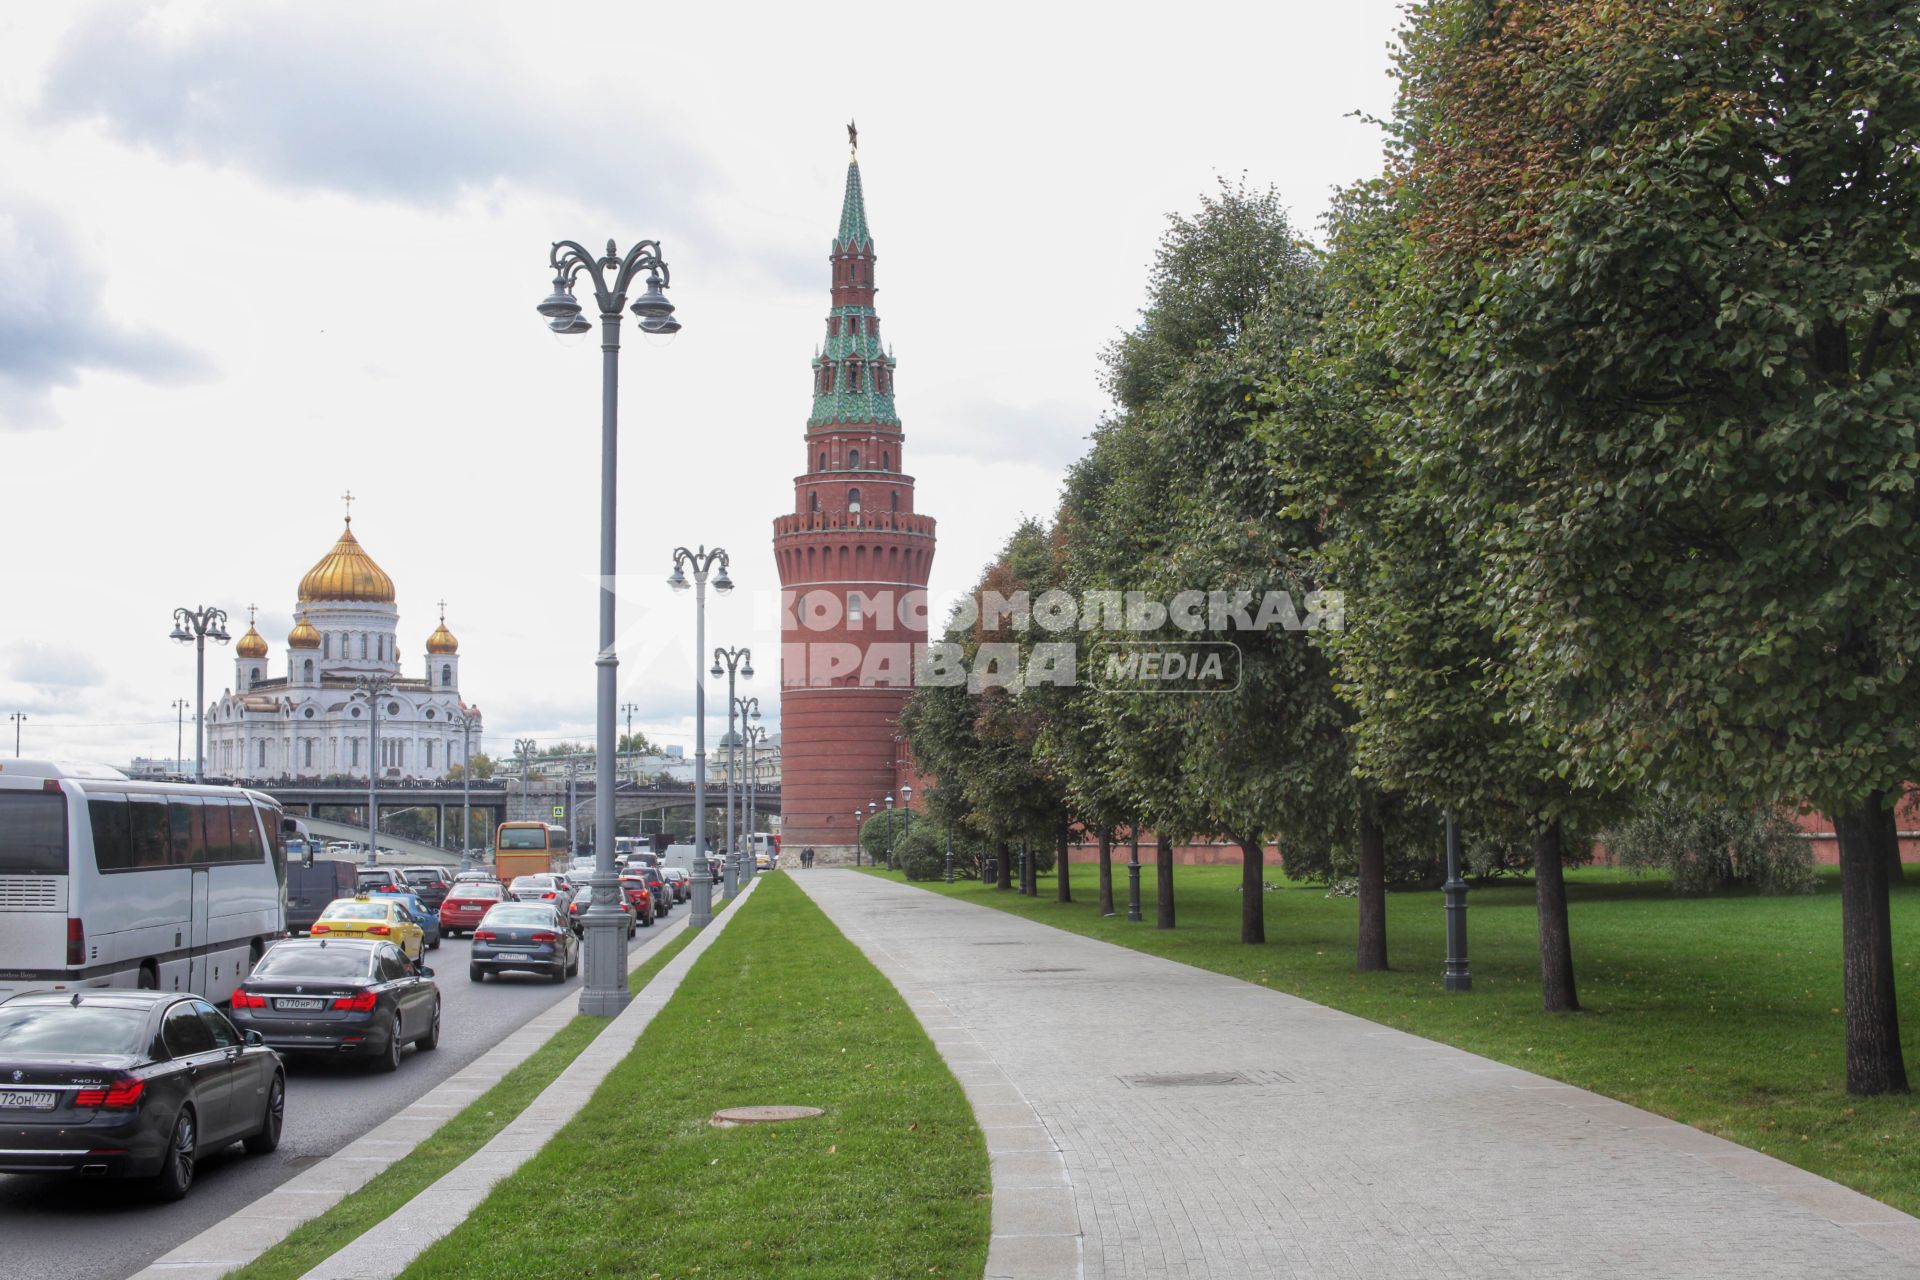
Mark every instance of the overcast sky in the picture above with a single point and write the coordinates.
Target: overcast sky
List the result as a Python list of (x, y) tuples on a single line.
[(252, 256)]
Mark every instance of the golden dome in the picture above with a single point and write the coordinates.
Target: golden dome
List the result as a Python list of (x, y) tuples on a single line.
[(347, 573), (303, 635), (252, 644), (442, 641)]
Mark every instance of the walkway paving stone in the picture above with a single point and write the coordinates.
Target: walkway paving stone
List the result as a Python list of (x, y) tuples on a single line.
[(1307, 1142)]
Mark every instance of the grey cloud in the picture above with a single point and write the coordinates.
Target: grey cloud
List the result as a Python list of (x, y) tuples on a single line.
[(51, 325), (366, 100), (45, 665)]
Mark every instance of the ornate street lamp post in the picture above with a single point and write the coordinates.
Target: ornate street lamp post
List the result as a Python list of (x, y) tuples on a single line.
[(20, 717), (702, 563), (906, 815), (199, 626), (372, 689), (756, 734), (1454, 891), (731, 663), (604, 992), (748, 709), (1133, 878), (466, 789), (628, 708), (857, 815), (949, 853)]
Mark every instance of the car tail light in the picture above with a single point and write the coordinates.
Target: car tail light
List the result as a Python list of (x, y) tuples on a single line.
[(362, 1003), (321, 927), (121, 1095), (483, 935), (546, 937), (549, 894), (246, 1000), (381, 929), (76, 941)]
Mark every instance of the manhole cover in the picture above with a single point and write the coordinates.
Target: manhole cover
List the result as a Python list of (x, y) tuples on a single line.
[(733, 1116), (1178, 1078)]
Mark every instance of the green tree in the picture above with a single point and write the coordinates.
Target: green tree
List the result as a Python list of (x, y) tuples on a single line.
[(1666, 348)]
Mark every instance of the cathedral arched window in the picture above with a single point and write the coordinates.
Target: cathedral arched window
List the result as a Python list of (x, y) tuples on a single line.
[(823, 463), (446, 675), (813, 502), (886, 461), (254, 678), (326, 645), (307, 672), (363, 644), (853, 459), (853, 501)]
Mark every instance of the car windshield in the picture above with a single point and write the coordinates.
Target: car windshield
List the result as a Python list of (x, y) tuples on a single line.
[(357, 911), (424, 877), (63, 1030), (478, 891), (519, 915), (314, 962)]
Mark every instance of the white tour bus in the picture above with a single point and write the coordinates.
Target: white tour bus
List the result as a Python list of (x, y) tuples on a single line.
[(108, 882)]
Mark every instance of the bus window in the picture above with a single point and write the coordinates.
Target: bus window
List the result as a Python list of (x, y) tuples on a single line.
[(186, 836), (112, 827), (33, 833), (219, 831), (152, 839)]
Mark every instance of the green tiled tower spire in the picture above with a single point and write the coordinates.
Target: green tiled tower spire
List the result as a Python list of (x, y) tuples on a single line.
[(853, 373)]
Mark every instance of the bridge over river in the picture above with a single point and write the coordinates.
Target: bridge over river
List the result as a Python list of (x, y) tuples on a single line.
[(428, 814)]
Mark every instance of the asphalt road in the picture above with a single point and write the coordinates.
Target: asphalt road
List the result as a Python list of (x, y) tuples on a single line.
[(108, 1230)]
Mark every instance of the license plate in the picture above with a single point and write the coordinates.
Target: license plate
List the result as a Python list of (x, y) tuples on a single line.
[(299, 1004), (26, 1100), (507, 951)]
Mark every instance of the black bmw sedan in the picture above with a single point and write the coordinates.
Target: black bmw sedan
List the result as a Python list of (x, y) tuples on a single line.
[(357, 996), (130, 1084)]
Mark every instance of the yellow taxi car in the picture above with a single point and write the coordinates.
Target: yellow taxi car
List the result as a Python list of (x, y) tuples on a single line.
[(382, 918)]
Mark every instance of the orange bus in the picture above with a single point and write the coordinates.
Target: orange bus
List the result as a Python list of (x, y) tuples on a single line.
[(527, 848)]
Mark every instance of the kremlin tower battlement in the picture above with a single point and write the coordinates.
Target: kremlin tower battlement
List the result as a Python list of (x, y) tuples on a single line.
[(853, 557)]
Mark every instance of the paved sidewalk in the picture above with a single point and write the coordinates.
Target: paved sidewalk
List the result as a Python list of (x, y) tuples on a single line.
[(1148, 1119)]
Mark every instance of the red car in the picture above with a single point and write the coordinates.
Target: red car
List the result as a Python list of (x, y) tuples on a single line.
[(641, 898), (466, 903)]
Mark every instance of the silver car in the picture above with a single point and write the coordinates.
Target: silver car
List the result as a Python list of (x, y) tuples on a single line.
[(544, 886)]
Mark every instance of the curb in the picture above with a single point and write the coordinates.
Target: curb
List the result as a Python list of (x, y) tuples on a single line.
[(251, 1230), (389, 1247), (1036, 1224)]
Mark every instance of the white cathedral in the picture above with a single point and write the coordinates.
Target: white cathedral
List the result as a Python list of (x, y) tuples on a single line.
[(315, 721)]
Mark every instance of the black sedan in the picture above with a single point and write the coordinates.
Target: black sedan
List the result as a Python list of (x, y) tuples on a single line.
[(131, 1084), (333, 996), (529, 936)]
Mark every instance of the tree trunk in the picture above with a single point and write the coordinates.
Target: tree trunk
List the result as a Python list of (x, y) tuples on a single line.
[(1253, 890), (1063, 888), (1556, 942), (1106, 871), (1163, 856), (1372, 945), (1896, 870), (1029, 876), (1005, 867), (1874, 1061)]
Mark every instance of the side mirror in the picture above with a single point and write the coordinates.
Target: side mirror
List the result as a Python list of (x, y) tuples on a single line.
[(254, 1037), (425, 972)]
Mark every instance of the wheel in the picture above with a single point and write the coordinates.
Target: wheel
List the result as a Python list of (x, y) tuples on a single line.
[(268, 1138), (435, 944), (431, 1041), (560, 972), (476, 974), (175, 1178), (390, 1059), (149, 979), (574, 967)]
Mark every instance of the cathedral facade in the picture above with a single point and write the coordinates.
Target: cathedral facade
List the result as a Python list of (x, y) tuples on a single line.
[(315, 720), (853, 556)]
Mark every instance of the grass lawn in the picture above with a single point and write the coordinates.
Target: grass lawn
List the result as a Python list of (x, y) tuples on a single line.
[(1722, 1012), (470, 1129), (891, 1182)]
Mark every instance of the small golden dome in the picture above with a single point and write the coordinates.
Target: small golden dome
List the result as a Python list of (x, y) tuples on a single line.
[(442, 641), (252, 644), (347, 573), (303, 635)]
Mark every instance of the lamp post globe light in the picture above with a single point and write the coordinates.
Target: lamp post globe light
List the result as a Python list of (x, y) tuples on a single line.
[(857, 815), (604, 992), (196, 626), (906, 813), (371, 689), (731, 663), (702, 563)]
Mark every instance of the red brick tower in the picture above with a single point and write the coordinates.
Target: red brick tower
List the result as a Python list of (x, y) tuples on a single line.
[(853, 561)]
